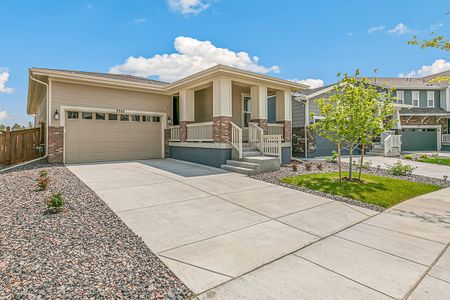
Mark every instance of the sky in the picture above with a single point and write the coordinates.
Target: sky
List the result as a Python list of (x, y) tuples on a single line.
[(306, 41)]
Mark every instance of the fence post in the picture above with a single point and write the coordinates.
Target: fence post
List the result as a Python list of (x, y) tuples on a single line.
[(8, 146)]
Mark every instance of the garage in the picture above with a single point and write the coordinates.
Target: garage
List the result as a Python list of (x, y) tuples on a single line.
[(419, 139), (97, 136)]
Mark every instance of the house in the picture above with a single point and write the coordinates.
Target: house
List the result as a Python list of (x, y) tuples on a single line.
[(422, 108), (209, 117)]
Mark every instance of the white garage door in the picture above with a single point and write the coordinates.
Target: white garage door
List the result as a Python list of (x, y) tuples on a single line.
[(92, 136)]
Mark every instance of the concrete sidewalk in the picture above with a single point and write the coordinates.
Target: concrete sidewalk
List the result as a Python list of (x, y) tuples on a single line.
[(228, 236)]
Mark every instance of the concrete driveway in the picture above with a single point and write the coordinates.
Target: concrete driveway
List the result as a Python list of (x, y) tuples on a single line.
[(227, 236)]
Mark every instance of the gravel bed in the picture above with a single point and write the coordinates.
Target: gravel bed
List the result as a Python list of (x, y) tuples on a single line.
[(287, 171), (84, 252)]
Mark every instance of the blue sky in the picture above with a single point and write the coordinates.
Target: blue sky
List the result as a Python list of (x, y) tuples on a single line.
[(170, 39)]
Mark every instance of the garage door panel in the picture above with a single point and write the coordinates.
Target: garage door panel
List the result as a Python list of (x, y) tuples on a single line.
[(419, 139), (103, 140)]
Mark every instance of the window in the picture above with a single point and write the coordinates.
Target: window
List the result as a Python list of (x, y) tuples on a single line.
[(176, 110), (415, 98), (400, 97), (246, 110), (99, 116), (112, 117), (86, 115), (316, 119), (124, 118), (430, 98), (146, 118), (72, 115), (136, 118), (156, 119)]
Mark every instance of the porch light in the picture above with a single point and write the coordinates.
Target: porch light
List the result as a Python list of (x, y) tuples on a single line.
[(169, 120), (56, 115)]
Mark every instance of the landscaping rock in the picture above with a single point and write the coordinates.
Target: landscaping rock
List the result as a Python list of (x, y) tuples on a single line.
[(83, 252)]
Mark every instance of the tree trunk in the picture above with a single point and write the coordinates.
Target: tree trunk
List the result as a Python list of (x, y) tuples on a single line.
[(350, 170), (339, 161), (362, 160)]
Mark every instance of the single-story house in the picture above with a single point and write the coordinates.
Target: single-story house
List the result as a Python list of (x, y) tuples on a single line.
[(422, 111), (209, 117)]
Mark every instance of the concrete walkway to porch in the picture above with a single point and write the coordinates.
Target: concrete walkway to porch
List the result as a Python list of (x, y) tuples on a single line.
[(228, 236)]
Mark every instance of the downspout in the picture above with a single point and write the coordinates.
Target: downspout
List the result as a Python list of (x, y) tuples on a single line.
[(306, 132), (48, 111)]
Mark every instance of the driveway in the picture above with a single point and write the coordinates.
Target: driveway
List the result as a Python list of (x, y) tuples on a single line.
[(228, 236)]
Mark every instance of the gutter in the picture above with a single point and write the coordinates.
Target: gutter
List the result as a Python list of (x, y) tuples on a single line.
[(48, 111)]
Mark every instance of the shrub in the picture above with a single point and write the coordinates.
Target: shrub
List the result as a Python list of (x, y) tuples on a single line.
[(43, 182), (295, 166), (423, 156), (399, 169), (43, 173), (55, 202), (333, 158), (408, 156), (367, 164), (308, 166), (320, 166)]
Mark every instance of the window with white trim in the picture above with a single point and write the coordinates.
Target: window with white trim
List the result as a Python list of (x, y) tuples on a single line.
[(430, 98), (415, 98), (400, 97)]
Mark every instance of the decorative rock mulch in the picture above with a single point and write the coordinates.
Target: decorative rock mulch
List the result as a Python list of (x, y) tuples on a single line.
[(84, 252), (325, 167)]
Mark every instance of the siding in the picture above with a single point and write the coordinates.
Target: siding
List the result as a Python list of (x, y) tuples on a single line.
[(237, 103), (73, 94), (298, 114), (422, 97), (203, 102), (271, 109)]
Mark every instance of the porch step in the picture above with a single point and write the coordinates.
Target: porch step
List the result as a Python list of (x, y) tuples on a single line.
[(249, 148), (251, 153), (240, 170), (242, 164)]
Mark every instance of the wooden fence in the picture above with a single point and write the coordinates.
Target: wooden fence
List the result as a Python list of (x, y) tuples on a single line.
[(20, 145)]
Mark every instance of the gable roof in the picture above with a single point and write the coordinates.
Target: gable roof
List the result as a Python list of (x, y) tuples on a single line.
[(420, 82)]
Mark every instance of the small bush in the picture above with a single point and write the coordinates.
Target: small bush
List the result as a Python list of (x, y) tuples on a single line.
[(320, 166), (367, 164), (55, 202), (43, 173), (295, 166), (43, 182), (408, 156), (308, 166), (423, 156), (333, 158), (399, 169)]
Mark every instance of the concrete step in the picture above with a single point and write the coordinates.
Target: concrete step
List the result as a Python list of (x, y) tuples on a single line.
[(378, 147), (239, 170), (242, 164), (375, 153), (266, 163), (249, 148), (251, 153)]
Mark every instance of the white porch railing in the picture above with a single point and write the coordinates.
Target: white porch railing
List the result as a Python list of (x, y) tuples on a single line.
[(272, 145), (175, 133), (267, 144), (391, 142), (385, 134), (446, 139), (275, 129), (255, 135), (236, 138), (200, 132)]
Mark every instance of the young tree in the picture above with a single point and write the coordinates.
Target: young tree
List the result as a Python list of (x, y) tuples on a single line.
[(354, 114)]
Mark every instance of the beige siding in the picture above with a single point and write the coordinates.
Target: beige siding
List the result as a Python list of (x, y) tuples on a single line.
[(203, 102), (237, 103), (80, 95), (41, 113)]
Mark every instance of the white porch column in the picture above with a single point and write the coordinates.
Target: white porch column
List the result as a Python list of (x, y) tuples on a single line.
[(396, 116), (186, 112), (222, 109), (283, 106), (258, 94)]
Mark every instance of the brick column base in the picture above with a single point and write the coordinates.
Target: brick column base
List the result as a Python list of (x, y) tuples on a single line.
[(262, 123), (222, 129), (287, 130), (55, 145), (183, 130), (166, 142)]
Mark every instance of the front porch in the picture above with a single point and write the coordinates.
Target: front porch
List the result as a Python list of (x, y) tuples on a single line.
[(217, 120)]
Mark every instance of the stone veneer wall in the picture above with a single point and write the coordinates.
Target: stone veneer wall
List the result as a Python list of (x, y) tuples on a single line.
[(222, 129), (417, 120), (166, 142), (55, 144), (262, 123), (287, 130)]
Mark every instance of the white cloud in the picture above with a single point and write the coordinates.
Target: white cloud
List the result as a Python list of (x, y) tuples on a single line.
[(4, 77), (3, 115), (90, 6), (140, 20), (375, 29), (350, 34), (437, 66), (188, 7), (313, 83), (436, 26), (192, 56), (400, 28)]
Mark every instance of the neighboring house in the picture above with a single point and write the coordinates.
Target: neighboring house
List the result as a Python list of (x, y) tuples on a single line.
[(423, 108), (207, 118)]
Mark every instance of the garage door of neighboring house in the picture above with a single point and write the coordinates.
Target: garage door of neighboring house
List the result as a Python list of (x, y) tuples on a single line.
[(419, 139), (94, 136)]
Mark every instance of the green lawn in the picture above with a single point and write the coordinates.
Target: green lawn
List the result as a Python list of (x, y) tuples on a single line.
[(436, 160), (378, 190)]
